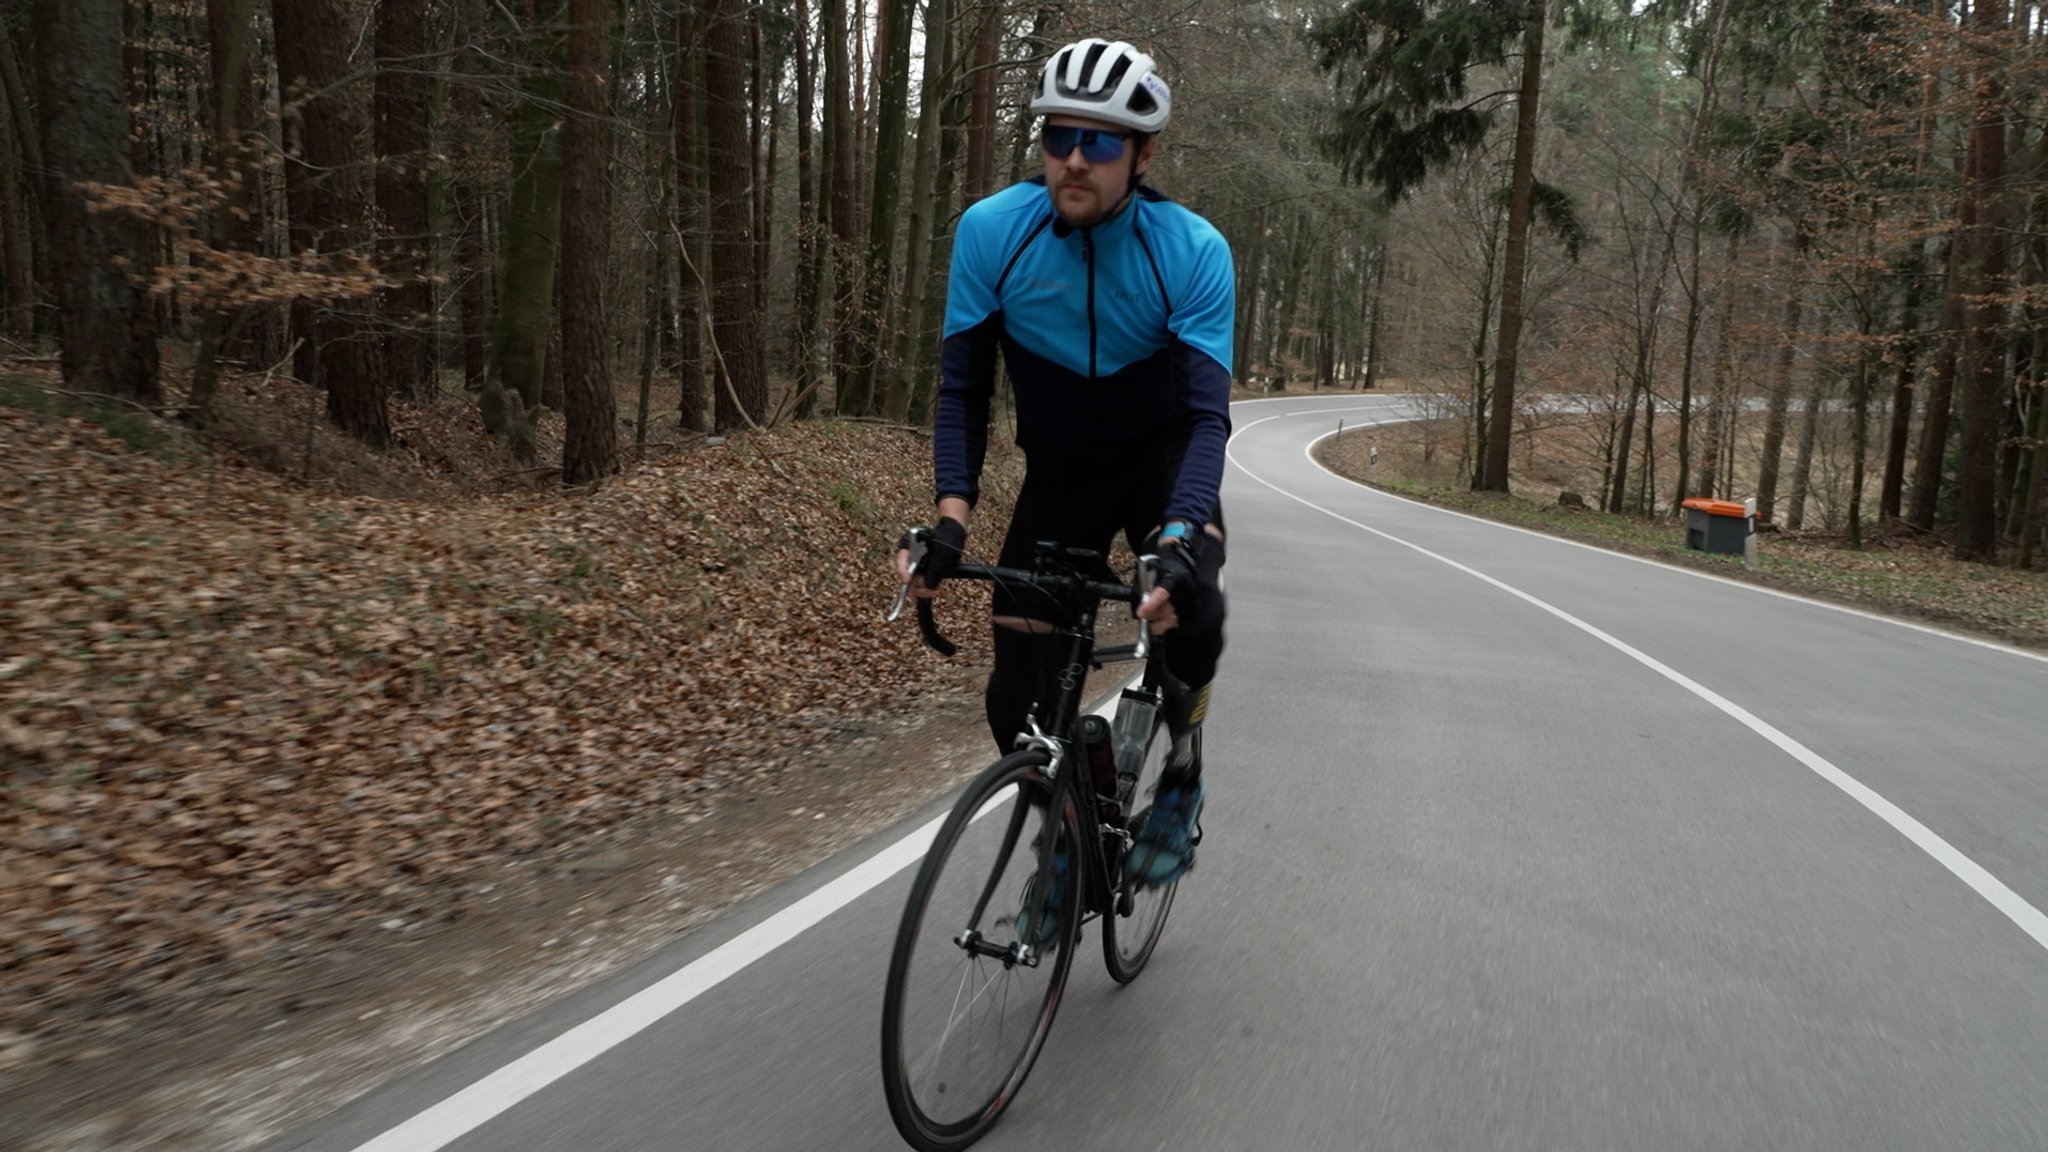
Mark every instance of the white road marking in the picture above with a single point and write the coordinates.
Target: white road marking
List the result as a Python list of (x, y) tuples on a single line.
[(470, 1108), (1745, 585), (2029, 918)]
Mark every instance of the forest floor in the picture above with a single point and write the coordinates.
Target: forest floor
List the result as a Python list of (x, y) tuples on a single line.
[(1899, 571), (320, 761)]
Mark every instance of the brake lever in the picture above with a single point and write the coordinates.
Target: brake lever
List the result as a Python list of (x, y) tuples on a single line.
[(919, 547), (1143, 581)]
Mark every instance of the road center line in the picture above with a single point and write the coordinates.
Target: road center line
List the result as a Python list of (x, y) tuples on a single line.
[(2015, 907)]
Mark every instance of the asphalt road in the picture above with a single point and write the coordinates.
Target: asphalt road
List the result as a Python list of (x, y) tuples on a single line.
[(1511, 844)]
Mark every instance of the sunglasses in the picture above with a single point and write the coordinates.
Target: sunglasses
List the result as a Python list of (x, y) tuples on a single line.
[(1097, 145)]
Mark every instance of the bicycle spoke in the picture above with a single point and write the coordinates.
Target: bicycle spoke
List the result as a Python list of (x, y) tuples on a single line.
[(964, 1015)]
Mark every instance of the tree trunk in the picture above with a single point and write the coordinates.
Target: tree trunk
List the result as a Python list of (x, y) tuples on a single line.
[(1250, 255), (740, 396), (693, 400), (1931, 460), (1859, 433), (472, 246), (1722, 388), (17, 319), (804, 329), (839, 118), (2025, 523), (1781, 381), (760, 153), (590, 446), (20, 103), (931, 326), (1494, 476), (327, 185), (981, 113), (145, 134), (656, 303), (529, 230), (1326, 320), (1374, 352), (404, 153), (228, 36), (1891, 491), (104, 320), (866, 78), (24, 212), (893, 62), (551, 380), (1625, 434), (1977, 492), (2030, 520), (1472, 452), (1694, 306), (931, 101), (1802, 465), (1284, 331)]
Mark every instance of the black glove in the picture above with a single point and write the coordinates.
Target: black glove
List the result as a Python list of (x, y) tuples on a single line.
[(1177, 555), (945, 543)]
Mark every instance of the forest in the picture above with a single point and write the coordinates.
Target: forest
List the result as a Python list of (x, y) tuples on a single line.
[(1788, 251), (434, 434)]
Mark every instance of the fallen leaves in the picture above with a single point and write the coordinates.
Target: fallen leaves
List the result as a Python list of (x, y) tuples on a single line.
[(235, 712)]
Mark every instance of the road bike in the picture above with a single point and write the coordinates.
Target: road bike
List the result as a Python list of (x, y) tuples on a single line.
[(1031, 851)]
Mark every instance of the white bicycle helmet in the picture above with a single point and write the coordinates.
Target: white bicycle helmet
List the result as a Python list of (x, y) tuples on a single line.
[(1104, 81)]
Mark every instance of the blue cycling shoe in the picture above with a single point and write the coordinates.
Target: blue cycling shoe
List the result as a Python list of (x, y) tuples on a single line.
[(1163, 843), (1038, 920)]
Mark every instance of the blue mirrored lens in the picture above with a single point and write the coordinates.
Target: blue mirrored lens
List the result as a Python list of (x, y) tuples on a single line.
[(1097, 146)]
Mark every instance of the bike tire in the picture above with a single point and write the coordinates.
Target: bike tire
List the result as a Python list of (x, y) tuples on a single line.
[(1128, 938), (964, 880)]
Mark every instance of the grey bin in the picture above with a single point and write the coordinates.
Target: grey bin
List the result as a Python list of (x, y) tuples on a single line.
[(1716, 531)]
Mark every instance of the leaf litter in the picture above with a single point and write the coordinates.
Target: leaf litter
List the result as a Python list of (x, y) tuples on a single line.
[(238, 714)]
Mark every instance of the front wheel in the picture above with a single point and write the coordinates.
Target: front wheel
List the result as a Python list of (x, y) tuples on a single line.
[(1137, 915), (981, 955)]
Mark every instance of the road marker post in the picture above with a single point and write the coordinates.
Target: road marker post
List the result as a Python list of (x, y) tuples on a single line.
[(1749, 541)]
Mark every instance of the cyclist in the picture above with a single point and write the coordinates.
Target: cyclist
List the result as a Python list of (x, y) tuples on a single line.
[(1113, 308)]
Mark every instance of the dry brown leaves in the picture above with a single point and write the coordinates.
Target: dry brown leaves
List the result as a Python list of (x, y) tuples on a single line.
[(236, 712)]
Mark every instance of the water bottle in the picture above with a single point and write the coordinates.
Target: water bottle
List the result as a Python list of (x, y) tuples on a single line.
[(1132, 731)]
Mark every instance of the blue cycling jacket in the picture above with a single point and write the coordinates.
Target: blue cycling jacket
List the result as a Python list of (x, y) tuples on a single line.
[(1117, 339)]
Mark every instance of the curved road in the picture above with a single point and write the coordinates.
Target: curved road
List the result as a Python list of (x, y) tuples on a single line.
[(1512, 844)]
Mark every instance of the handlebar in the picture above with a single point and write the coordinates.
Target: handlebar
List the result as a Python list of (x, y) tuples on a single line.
[(1060, 585)]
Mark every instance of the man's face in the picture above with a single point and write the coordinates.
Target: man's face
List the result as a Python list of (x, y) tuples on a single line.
[(1083, 191)]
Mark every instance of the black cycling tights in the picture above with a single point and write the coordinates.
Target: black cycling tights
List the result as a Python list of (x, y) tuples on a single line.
[(1025, 661)]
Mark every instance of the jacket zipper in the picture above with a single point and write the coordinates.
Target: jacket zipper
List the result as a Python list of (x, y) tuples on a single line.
[(1088, 258)]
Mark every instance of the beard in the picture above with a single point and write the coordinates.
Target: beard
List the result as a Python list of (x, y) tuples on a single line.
[(1078, 211)]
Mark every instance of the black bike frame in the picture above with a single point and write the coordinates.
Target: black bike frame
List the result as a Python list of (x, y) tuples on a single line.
[(1080, 600)]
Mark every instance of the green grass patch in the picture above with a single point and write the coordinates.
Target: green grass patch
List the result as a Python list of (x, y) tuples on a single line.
[(137, 429)]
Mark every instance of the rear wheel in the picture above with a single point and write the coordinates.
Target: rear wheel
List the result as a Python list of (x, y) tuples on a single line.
[(1130, 930), (981, 958)]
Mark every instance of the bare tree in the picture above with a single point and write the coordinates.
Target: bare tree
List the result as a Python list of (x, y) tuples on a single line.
[(104, 318), (403, 146), (590, 447), (741, 396), (328, 186)]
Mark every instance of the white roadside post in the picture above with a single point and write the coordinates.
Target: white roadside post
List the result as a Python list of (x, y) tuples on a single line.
[(1749, 540)]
